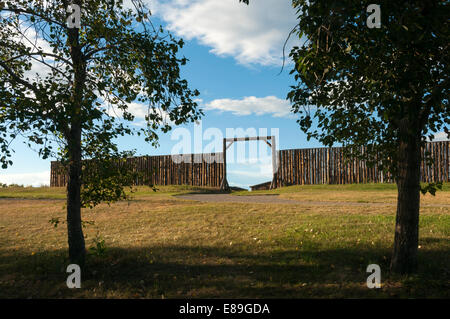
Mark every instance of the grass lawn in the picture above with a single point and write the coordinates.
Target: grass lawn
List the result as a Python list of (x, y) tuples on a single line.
[(160, 246), (360, 193)]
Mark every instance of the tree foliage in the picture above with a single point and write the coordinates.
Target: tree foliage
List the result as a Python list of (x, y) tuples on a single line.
[(123, 59), (358, 85)]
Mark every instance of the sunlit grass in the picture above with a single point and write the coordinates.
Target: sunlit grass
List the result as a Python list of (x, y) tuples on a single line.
[(60, 192), (360, 193)]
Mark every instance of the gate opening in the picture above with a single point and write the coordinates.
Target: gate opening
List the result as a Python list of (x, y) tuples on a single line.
[(270, 141)]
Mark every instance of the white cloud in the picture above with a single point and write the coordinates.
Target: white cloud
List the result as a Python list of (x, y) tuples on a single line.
[(249, 105), (137, 109), (27, 179), (440, 136), (264, 171), (253, 34)]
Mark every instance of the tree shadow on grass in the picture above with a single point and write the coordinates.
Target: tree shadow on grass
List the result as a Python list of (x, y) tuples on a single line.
[(219, 272)]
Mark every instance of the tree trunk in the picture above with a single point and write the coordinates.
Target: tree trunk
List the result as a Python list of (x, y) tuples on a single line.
[(77, 251), (404, 260)]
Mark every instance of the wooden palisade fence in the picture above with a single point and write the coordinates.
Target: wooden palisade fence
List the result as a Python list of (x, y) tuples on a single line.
[(194, 169), (328, 166), (296, 167)]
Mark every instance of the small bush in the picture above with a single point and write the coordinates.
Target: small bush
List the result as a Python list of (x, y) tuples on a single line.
[(99, 246)]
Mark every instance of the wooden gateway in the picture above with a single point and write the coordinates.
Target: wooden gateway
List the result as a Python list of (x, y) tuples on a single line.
[(272, 144)]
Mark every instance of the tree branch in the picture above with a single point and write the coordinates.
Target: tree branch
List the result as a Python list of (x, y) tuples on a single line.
[(18, 79), (423, 116), (43, 54), (33, 13)]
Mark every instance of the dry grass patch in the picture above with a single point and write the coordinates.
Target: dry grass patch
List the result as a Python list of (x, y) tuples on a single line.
[(359, 193)]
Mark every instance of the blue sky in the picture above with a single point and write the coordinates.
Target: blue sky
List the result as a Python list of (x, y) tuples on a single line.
[(235, 58)]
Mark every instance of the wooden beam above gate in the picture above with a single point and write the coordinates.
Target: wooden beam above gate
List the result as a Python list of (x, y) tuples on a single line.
[(242, 139), (254, 138)]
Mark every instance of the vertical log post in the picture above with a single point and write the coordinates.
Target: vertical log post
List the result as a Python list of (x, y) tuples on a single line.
[(274, 163), (224, 185)]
